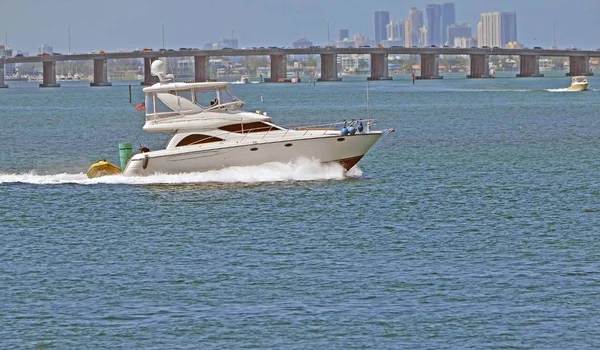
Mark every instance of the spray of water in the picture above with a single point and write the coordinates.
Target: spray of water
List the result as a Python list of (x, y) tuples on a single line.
[(560, 90), (299, 170)]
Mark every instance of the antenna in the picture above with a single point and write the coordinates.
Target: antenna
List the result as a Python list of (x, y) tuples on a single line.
[(327, 32), (368, 112), (163, 35), (554, 34), (6, 39), (69, 38)]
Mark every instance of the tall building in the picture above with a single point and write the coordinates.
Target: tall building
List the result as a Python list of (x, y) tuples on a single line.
[(448, 19), (424, 36), (395, 33), (434, 24), (382, 18), (232, 43), (497, 29), (6, 51), (344, 34), (509, 27), (415, 22), (407, 37), (395, 30), (457, 31), (302, 42), (45, 49), (464, 42)]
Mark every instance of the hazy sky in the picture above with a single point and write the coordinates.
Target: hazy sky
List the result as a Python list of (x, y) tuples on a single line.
[(127, 24)]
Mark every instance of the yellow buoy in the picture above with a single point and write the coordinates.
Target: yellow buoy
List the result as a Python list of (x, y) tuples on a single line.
[(103, 168)]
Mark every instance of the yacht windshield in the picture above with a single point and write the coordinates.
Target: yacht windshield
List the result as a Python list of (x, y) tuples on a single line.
[(225, 96), (208, 99)]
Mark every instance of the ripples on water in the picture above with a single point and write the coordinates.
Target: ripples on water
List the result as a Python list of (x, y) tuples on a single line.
[(474, 225)]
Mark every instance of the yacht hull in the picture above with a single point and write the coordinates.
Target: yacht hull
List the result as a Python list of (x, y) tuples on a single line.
[(578, 87), (346, 150)]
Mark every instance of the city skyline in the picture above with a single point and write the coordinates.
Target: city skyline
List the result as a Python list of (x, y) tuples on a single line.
[(133, 24)]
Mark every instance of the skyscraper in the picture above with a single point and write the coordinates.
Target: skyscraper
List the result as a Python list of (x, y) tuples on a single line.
[(382, 18), (448, 19), (395, 33), (414, 23), (45, 49), (393, 30), (9, 68), (434, 24), (344, 34), (407, 37), (457, 31), (497, 29), (508, 21)]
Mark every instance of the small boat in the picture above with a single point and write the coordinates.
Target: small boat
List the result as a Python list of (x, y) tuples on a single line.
[(579, 83), (103, 168), (244, 79)]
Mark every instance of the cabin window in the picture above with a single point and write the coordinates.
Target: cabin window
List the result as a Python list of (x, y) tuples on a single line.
[(197, 139), (248, 127)]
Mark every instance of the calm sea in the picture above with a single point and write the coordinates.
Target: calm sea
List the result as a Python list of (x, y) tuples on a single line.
[(474, 225)]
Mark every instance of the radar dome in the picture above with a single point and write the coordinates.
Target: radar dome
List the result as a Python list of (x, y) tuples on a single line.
[(158, 68)]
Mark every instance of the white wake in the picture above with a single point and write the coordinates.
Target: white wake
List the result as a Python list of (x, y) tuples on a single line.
[(561, 90), (300, 170)]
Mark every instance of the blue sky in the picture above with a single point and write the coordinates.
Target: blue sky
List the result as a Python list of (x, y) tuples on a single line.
[(127, 24)]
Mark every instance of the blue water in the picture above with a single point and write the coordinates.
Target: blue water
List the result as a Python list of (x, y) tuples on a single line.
[(473, 225)]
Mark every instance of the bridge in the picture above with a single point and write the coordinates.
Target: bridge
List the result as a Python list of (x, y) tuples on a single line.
[(479, 61)]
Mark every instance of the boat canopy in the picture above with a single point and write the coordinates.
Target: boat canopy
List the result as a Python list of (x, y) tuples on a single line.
[(171, 99), (207, 86)]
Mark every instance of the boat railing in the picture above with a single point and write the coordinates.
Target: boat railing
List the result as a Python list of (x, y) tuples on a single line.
[(325, 128), (335, 126), (161, 116)]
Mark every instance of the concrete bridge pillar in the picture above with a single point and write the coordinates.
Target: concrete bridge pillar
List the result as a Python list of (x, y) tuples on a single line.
[(329, 67), (201, 72), (530, 67), (49, 74), (579, 65), (480, 66), (430, 67), (2, 85), (379, 67), (278, 69), (148, 78), (100, 73)]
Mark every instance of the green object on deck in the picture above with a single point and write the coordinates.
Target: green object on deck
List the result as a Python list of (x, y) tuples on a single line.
[(125, 154)]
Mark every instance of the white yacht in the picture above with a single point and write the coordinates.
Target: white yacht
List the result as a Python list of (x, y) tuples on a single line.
[(211, 131)]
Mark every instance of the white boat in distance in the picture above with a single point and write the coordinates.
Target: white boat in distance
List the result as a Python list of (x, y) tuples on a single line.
[(579, 83), (211, 131)]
